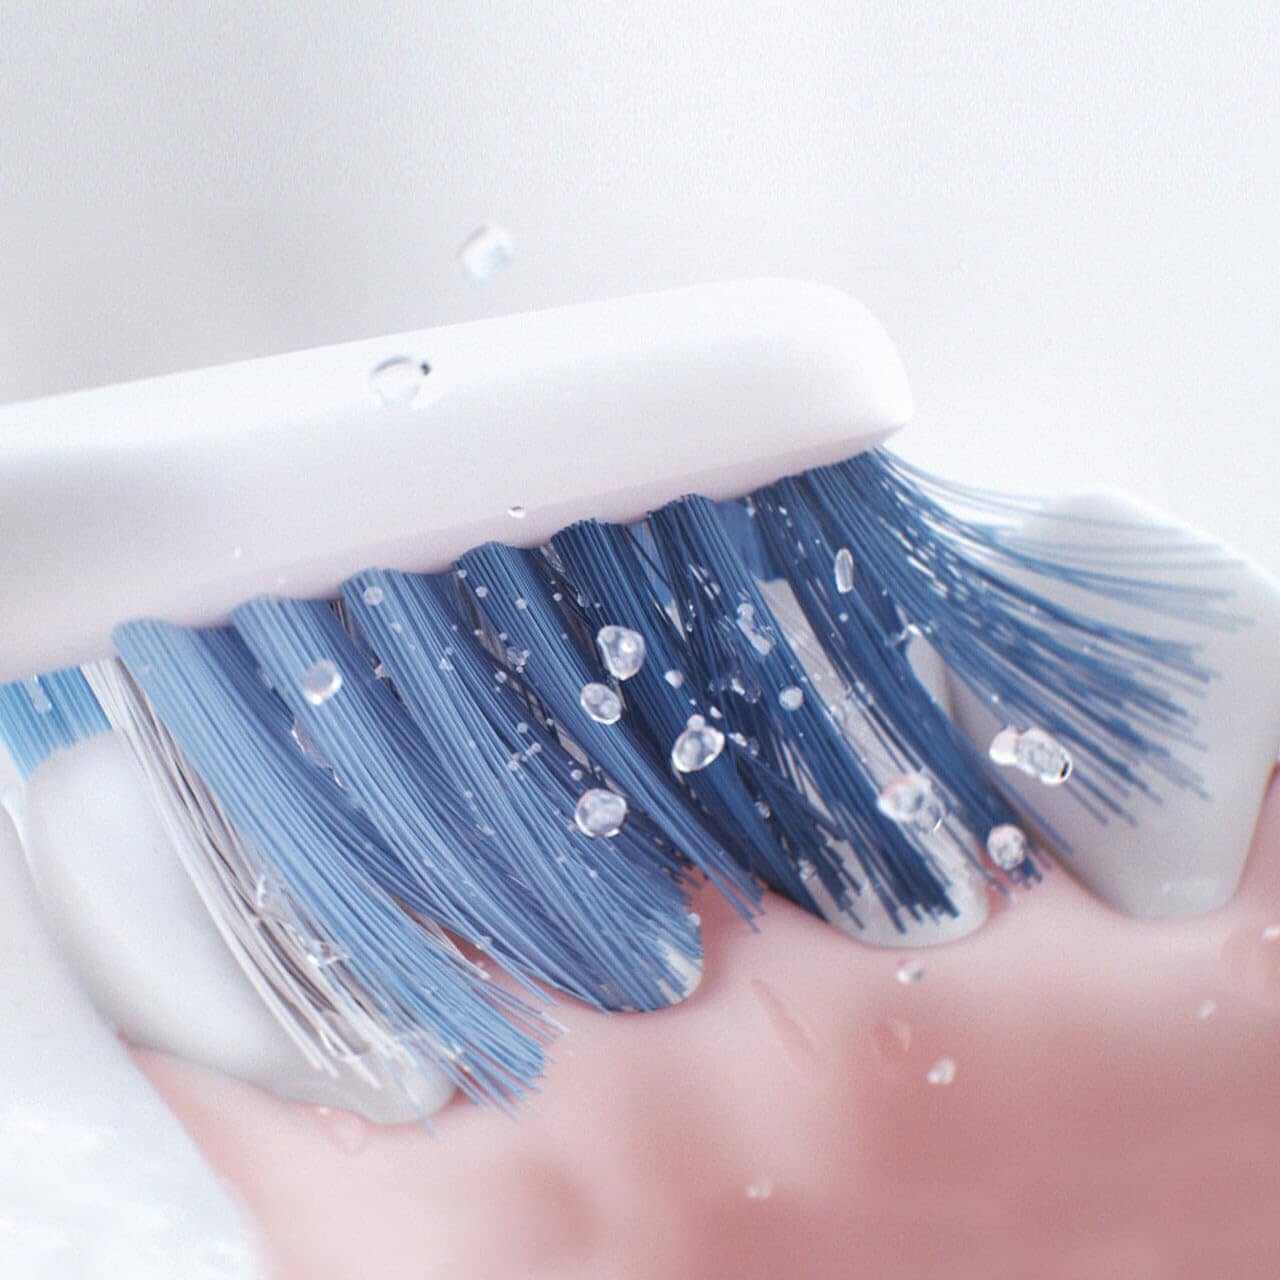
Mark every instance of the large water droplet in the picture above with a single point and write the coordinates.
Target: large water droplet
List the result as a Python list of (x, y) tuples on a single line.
[(372, 596), (760, 642), (1043, 757), (1006, 846), (911, 801), (320, 682), (601, 703), (621, 650), (844, 571), (791, 698), (600, 812), (399, 381), (1004, 746), (485, 252), (942, 1072), (674, 678), (698, 746)]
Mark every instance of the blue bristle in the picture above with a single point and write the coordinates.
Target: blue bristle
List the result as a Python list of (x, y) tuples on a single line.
[(45, 714), (207, 688), (514, 592)]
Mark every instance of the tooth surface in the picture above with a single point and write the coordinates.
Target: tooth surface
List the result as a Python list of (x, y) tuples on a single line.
[(130, 922), (96, 1175), (1184, 854)]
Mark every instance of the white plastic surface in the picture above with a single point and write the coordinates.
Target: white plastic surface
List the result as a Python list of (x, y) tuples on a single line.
[(1184, 855), (180, 497), (131, 924), (97, 1178)]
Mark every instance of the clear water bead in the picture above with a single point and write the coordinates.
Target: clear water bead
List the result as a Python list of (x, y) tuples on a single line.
[(698, 746), (674, 678), (485, 252), (320, 682), (600, 812), (909, 972), (621, 650), (399, 380), (601, 703), (911, 801), (844, 571), (517, 512), (1004, 746), (1006, 846), (1043, 757), (760, 642), (791, 698), (372, 596), (760, 1189), (942, 1072)]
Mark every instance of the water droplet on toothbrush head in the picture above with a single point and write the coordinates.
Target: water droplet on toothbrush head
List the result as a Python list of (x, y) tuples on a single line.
[(320, 682), (911, 801), (674, 678), (791, 698), (36, 695), (485, 252), (761, 643), (1043, 757), (601, 703), (1006, 846), (372, 596), (621, 650), (698, 746), (600, 812), (844, 571)]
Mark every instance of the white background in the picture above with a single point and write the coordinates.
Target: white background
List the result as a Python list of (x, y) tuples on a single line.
[(1066, 213)]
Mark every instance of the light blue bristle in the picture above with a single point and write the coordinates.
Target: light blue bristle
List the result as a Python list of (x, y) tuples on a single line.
[(45, 714), (207, 688)]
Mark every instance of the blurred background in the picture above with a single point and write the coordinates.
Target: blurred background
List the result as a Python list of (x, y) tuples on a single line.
[(1066, 214)]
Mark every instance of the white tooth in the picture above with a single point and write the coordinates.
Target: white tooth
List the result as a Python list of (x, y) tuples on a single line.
[(130, 922), (1185, 855), (96, 1175), (966, 890)]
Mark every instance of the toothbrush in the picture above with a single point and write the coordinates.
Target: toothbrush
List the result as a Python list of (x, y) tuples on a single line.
[(183, 497)]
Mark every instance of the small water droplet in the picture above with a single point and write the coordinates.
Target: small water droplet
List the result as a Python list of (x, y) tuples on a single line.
[(942, 1072), (844, 571), (1206, 1010), (600, 812), (911, 801), (674, 678), (322, 954), (576, 774), (760, 1189), (791, 698), (320, 682), (481, 592), (621, 650), (372, 596), (760, 642), (909, 972), (485, 252), (1043, 757), (698, 746), (1006, 846), (39, 700), (237, 553), (346, 1130), (521, 602), (763, 809), (399, 380), (601, 703), (516, 511), (1004, 746)]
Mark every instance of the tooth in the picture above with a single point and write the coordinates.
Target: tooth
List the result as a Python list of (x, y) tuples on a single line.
[(130, 922), (1184, 855), (96, 1175)]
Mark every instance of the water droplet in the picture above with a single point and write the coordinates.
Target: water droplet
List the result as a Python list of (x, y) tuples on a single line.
[(1004, 746), (763, 809), (911, 801), (600, 812), (521, 602), (322, 954), (942, 1072), (909, 972), (674, 678), (698, 746), (372, 596), (1206, 1010), (621, 650), (1043, 758), (39, 700), (760, 642), (481, 592), (760, 1189), (346, 1130), (320, 682), (844, 571), (517, 512), (1006, 846), (601, 703), (399, 380), (791, 698), (485, 252), (576, 774), (237, 553)]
